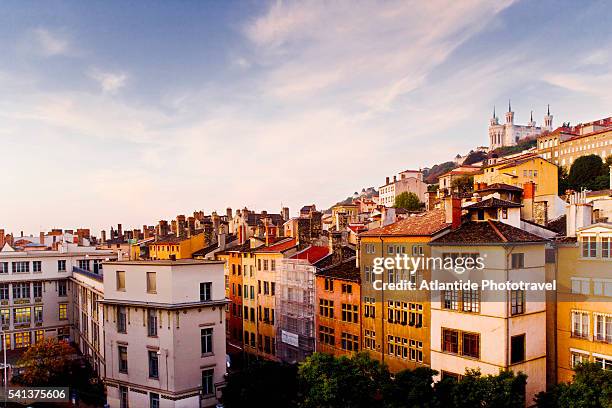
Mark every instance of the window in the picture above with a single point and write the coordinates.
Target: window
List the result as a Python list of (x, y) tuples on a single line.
[(121, 319), (580, 324), (272, 288), (36, 266), (578, 357), (517, 349), (21, 290), (61, 288), (22, 315), (152, 323), (415, 315), (63, 311), (83, 264), (273, 265), (266, 288), (350, 313), (347, 288), (123, 359), (22, 339), (61, 265), (471, 345), (38, 314), (369, 306), (517, 302), (4, 267), (602, 287), (450, 341), (21, 267), (471, 301), (602, 327), (349, 342), (151, 282), (207, 382), (206, 341), (326, 335), (589, 247), (604, 361), (450, 300), (397, 346), (37, 289), (581, 286), (4, 291), (123, 397), (153, 364), (39, 335), (205, 294), (5, 316), (369, 340), (153, 400), (518, 261), (606, 247), (416, 351), (329, 284), (121, 280), (326, 308)]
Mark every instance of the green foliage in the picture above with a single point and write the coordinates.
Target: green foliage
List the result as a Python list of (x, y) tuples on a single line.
[(463, 184), (562, 175), (409, 201), (327, 381), (507, 150), (412, 389), (475, 157), (589, 172), (591, 388), (255, 382), (431, 176), (505, 390), (433, 187)]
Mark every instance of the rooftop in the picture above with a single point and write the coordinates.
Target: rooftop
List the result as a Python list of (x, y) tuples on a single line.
[(486, 233), (423, 224), (494, 203), (312, 254), (345, 270), (166, 262)]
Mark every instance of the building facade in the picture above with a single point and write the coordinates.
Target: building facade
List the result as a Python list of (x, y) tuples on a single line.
[(510, 134)]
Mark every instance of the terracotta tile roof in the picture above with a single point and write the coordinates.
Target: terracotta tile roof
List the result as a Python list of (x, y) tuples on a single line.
[(312, 254), (494, 203), (326, 261), (559, 225), (486, 232), (424, 224), (345, 270)]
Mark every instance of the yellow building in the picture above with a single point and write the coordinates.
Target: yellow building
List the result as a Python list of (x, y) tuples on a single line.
[(395, 324), (519, 170), (179, 247), (584, 300)]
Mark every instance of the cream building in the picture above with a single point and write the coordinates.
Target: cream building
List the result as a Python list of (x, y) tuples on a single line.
[(484, 329), (164, 327), (409, 181)]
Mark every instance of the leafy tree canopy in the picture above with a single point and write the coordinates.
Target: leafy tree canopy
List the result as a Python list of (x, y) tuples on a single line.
[(409, 201)]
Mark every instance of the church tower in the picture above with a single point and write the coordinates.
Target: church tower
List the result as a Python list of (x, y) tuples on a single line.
[(548, 119), (494, 121), (509, 115), (531, 121)]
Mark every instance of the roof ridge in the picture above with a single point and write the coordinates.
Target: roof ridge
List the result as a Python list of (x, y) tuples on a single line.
[(497, 231)]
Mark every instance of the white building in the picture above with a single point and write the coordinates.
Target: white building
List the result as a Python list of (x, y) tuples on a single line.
[(510, 134), (35, 292), (164, 328), (408, 181)]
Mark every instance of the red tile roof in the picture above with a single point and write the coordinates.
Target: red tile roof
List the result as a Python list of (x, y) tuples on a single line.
[(278, 247), (486, 232), (312, 254), (424, 224)]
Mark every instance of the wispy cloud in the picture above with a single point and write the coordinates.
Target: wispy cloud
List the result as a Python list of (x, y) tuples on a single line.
[(109, 82), (51, 43)]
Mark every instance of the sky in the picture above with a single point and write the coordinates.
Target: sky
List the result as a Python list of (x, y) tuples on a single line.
[(131, 111)]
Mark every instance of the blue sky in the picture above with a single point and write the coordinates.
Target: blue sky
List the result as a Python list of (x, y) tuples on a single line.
[(135, 111)]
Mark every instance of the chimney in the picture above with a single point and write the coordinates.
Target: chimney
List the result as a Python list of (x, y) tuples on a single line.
[(285, 210), (394, 179), (528, 190), (335, 246), (41, 238), (119, 231), (228, 213), (452, 209), (387, 181), (579, 213), (1, 238)]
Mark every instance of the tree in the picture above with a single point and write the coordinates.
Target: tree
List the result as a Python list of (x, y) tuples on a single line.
[(408, 201), (590, 388), (47, 363), (463, 184), (506, 390), (412, 389), (589, 172), (475, 157), (327, 381), (562, 176), (253, 384)]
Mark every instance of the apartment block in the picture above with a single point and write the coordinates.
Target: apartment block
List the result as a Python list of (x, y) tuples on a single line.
[(164, 324)]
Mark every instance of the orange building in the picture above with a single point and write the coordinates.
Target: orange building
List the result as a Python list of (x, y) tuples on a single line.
[(338, 299)]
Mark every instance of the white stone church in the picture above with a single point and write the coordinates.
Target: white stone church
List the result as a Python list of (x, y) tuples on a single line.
[(509, 134)]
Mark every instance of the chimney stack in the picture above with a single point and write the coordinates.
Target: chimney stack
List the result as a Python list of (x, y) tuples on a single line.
[(452, 209), (387, 181), (103, 236), (285, 210), (579, 213), (41, 238), (335, 246), (119, 231), (228, 213)]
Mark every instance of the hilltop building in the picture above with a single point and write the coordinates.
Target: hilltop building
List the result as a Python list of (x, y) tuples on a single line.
[(510, 134)]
